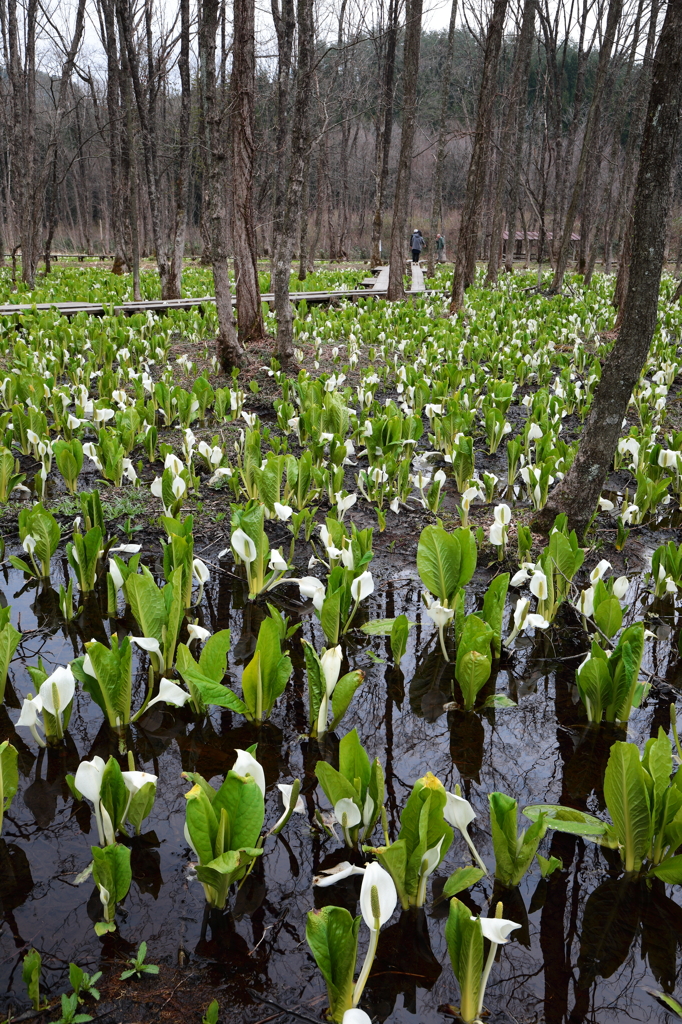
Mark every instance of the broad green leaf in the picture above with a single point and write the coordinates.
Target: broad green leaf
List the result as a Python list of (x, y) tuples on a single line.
[(332, 935), (9, 639), (213, 657), (609, 616), (493, 609), (330, 616), (113, 793), (381, 627), (464, 939), (669, 870), (438, 561), (147, 603), (9, 777), (243, 801), (213, 693), (627, 800), (202, 823), (461, 879), (399, 634), (334, 785), (354, 762), (343, 695)]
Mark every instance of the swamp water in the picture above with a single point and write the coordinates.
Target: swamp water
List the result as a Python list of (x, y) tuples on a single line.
[(590, 941)]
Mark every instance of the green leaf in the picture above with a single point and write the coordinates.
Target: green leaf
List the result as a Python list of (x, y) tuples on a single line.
[(343, 695), (243, 802), (461, 879), (666, 1000), (330, 616), (464, 939), (354, 762), (669, 870), (438, 561), (332, 935), (9, 777), (498, 700), (213, 657), (548, 866), (609, 616), (493, 609), (381, 627), (334, 785), (9, 639), (399, 634), (147, 603), (213, 693), (202, 823), (102, 927), (627, 800), (474, 662)]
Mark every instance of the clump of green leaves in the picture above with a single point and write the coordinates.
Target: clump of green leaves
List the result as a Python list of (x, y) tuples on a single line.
[(137, 965)]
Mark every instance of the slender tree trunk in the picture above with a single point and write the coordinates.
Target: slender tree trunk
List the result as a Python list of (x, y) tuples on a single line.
[(384, 130), (130, 192), (467, 241), (577, 494), (249, 312), (612, 22), (292, 204), (413, 31), (230, 350), (174, 287), (303, 229), (511, 133), (109, 39), (624, 197), (437, 182)]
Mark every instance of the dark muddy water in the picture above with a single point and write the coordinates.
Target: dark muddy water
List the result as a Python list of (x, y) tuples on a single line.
[(589, 940)]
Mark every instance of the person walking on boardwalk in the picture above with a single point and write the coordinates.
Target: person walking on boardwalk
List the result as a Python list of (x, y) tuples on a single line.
[(416, 245), (440, 248)]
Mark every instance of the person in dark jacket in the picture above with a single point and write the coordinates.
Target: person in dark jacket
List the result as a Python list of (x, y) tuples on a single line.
[(440, 248), (416, 245)]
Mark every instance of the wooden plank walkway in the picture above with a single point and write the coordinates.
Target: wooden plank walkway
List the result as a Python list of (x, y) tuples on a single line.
[(417, 278), (160, 306)]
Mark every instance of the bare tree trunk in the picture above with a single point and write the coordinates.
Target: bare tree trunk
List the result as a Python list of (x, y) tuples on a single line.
[(413, 31), (437, 182), (230, 350), (303, 229), (146, 112), (249, 313), (174, 287), (612, 22), (384, 129), (624, 197), (577, 494), (299, 145), (129, 185), (467, 241), (110, 42), (511, 132)]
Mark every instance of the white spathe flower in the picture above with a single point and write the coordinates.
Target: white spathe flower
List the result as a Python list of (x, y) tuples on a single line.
[(310, 586), (348, 559), (356, 1016), (156, 487), (147, 643), (585, 604), (285, 789), (277, 561), (134, 781), (599, 570), (519, 578), (200, 571), (178, 487), (362, 586), (243, 545), (169, 693), (330, 876), (30, 712), (496, 535), (62, 680), (173, 463), (115, 574), (605, 505), (29, 544), (347, 812), (440, 615), (497, 929), (458, 812), (246, 764), (535, 433), (538, 585), (621, 587), (431, 860), (502, 515), (127, 549), (344, 503), (88, 778), (283, 512), (197, 632), (378, 892), (331, 666)]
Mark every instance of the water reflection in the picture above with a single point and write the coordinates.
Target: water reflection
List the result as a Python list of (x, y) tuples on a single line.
[(589, 939)]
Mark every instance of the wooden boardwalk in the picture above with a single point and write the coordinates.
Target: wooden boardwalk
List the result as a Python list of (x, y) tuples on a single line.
[(376, 286)]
